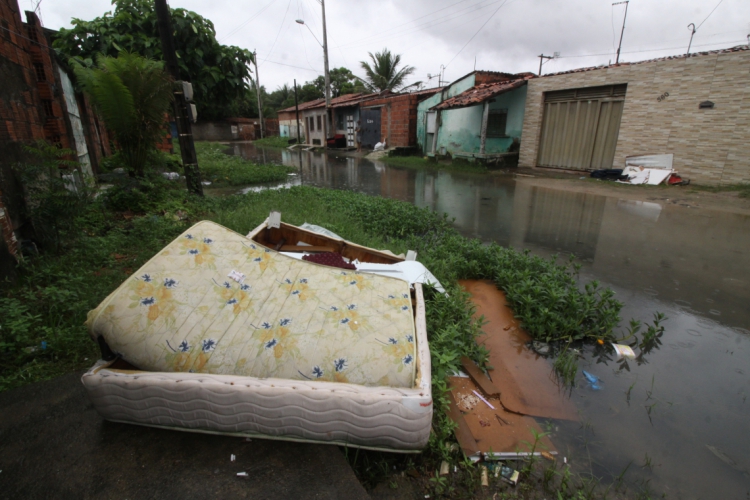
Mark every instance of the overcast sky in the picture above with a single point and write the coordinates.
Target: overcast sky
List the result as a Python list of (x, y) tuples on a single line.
[(508, 35)]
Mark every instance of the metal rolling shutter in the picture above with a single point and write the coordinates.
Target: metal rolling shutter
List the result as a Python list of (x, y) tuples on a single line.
[(580, 127)]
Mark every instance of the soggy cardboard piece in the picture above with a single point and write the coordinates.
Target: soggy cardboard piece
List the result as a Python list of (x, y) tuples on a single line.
[(504, 434), (525, 379), (479, 378), (463, 435)]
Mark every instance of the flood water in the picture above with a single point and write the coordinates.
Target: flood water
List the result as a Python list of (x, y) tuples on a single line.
[(680, 423)]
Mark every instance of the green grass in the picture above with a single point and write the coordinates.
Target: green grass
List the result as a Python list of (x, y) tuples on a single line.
[(274, 142), (743, 190), (226, 170), (419, 162)]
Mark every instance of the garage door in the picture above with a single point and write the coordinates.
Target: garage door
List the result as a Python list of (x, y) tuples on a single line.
[(580, 127)]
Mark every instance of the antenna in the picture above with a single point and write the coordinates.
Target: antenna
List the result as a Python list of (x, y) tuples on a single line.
[(626, 2), (555, 55), (542, 57), (692, 29)]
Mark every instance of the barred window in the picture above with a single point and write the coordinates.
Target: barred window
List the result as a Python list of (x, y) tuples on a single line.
[(496, 122), (39, 70), (320, 126)]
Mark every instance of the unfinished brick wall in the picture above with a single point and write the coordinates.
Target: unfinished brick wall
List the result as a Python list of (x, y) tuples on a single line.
[(710, 146), (398, 119)]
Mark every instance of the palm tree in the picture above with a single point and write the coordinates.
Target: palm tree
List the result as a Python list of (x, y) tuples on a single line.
[(132, 94), (384, 73)]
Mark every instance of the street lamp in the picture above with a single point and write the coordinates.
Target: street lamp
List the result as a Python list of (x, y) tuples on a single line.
[(325, 62)]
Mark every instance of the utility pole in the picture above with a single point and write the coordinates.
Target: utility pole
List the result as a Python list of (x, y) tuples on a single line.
[(327, 74), (257, 89), (184, 129), (296, 110), (626, 2), (542, 57)]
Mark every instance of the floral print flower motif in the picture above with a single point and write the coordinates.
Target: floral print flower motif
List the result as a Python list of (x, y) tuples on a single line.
[(193, 251), (343, 273), (231, 302), (317, 371), (148, 301), (295, 292), (391, 297), (257, 259), (303, 280), (334, 308), (408, 359), (410, 338), (393, 341), (207, 241), (170, 283), (209, 345), (404, 308), (189, 236), (285, 321), (184, 346), (351, 307), (271, 343), (353, 282), (226, 285), (406, 295), (266, 325), (147, 278), (244, 288), (340, 364), (287, 281), (344, 321)]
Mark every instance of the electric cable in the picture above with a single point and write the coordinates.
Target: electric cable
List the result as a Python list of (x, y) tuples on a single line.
[(477, 32), (250, 19), (280, 28)]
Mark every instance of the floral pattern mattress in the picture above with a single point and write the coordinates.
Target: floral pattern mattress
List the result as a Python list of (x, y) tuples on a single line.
[(215, 302)]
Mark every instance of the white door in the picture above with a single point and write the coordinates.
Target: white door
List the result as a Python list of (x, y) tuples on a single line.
[(350, 131)]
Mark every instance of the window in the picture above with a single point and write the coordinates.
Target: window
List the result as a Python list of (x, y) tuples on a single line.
[(320, 126), (47, 105), (39, 69), (496, 123), (311, 125)]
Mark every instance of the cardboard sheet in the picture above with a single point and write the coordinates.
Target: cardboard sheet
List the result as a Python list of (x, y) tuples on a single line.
[(526, 381), (496, 431)]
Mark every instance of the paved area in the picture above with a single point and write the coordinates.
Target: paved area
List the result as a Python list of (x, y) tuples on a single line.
[(53, 444)]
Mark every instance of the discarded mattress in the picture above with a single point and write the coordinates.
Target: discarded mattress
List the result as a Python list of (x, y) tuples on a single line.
[(220, 334)]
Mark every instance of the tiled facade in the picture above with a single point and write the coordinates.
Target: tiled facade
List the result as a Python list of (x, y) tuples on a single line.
[(710, 146)]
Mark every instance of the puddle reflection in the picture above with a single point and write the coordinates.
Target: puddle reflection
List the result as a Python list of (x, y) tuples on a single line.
[(692, 264)]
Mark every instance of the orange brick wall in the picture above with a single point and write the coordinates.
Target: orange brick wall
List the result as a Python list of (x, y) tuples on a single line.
[(398, 119)]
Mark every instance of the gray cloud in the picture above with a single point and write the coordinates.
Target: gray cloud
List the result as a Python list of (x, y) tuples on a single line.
[(429, 33)]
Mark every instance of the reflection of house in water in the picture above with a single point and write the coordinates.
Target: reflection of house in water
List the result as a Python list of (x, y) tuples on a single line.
[(557, 220)]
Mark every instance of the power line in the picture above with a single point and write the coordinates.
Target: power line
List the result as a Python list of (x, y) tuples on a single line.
[(709, 15), (427, 25), (644, 50), (280, 28), (251, 18), (477, 32)]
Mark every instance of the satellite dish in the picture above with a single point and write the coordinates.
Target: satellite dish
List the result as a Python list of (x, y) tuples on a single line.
[(429, 76)]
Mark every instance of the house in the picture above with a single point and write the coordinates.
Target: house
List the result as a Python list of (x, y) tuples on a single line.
[(38, 102), (479, 116), (386, 116), (695, 107)]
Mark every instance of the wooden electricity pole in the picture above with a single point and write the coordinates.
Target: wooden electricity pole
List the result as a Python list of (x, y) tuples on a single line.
[(257, 89), (184, 130), (296, 109)]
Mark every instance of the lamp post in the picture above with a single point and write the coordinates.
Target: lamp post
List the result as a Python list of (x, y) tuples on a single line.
[(325, 63)]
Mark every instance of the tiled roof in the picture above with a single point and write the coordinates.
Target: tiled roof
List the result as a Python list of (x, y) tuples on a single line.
[(739, 48), (320, 103), (482, 92)]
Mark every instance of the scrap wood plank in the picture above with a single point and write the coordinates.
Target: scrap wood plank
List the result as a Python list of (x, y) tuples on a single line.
[(479, 378), (463, 435), (525, 379), (497, 431), (305, 248)]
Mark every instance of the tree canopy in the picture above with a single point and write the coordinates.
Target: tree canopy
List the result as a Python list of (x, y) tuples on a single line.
[(132, 94), (384, 74), (220, 74)]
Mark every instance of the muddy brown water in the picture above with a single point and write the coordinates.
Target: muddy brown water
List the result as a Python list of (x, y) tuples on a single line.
[(679, 424)]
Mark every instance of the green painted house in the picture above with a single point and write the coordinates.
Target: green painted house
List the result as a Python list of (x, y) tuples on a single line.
[(479, 116)]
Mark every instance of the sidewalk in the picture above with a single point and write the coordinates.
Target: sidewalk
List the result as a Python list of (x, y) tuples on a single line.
[(53, 444)]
